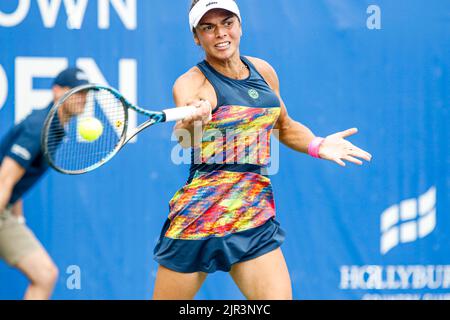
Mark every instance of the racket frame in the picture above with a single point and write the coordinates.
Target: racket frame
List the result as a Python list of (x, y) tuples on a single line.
[(53, 113), (173, 114)]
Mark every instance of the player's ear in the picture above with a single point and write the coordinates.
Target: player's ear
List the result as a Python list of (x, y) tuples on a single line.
[(197, 41)]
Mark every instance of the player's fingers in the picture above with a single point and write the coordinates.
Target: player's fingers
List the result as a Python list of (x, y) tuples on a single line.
[(339, 162), (348, 133), (205, 112), (198, 117), (202, 112), (357, 152), (353, 160), (188, 119), (203, 109), (206, 103), (362, 155), (367, 155), (194, 103), (206, 106)]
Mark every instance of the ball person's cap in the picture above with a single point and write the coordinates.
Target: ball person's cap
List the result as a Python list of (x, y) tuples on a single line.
[(203, 6), (71, 77)]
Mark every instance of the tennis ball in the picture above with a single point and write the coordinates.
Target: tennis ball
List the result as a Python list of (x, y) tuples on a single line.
[(90, 129)]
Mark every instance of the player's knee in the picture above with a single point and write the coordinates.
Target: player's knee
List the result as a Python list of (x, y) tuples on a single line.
[(272, 291), (275, 295), (47, 276)]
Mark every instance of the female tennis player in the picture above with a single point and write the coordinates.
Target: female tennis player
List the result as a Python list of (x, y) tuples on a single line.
[(223, 218)]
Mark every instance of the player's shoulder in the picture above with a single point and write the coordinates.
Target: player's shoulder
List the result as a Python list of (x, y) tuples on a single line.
[(265, 69), (261, 65), (190, 80), (189, 86)]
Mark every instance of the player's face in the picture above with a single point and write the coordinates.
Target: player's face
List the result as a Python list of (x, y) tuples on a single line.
[(219, 33)]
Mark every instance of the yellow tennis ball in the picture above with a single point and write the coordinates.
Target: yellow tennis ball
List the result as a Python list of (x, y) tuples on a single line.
[(90, 129)]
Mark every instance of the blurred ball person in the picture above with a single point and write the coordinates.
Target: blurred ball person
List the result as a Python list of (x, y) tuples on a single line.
[(21, 166)]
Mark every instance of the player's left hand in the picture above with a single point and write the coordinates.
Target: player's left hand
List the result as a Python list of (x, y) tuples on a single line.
[(336, 148)]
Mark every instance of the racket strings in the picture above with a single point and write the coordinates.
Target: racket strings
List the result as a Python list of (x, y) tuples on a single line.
[(72, 143)]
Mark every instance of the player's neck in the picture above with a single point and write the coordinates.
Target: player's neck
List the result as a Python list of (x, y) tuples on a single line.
[(232, 67)]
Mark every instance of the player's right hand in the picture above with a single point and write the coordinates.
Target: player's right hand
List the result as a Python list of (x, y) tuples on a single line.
[(202, 115)]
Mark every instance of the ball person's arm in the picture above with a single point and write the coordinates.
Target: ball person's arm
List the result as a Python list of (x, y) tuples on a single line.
[(10, 173), (297, 136), (17, 208)]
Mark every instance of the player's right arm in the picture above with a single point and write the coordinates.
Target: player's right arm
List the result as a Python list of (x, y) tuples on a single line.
[(10, 173), (188, 91)]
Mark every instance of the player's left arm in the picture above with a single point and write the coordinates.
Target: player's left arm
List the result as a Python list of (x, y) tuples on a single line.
[(298, 137)]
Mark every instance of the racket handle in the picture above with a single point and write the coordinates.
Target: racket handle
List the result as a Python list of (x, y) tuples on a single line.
[(179, 113)]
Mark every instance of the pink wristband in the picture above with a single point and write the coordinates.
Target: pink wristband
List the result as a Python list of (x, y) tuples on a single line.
[(314, 146)]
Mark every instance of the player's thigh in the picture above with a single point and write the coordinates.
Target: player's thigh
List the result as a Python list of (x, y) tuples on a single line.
[(172, 285), (264, 278)]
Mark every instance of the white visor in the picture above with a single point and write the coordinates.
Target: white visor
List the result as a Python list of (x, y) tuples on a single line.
[(203, 6)]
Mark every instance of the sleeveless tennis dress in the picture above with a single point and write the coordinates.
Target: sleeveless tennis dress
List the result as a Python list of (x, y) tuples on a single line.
[(225, 213)]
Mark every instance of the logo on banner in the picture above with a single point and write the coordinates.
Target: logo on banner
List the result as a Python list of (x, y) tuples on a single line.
[(81, 76), (408, 221)]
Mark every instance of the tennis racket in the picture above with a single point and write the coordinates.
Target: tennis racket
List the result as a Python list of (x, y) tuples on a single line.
[(88, 126)]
